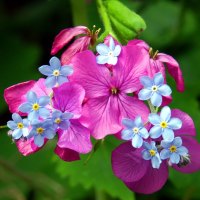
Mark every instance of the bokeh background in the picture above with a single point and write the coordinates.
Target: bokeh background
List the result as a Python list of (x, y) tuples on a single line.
[(27, 30)]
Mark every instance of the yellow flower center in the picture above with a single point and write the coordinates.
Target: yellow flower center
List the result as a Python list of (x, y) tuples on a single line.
[(56, 72), (152, 152), (154, 88), (20, 125), (40, 130), (135, 130), (172, 149), (163, 124), (35, 106), (57, 120)]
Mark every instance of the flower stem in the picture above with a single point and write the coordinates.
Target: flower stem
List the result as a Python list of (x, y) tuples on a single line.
[(152, 108), (3, 126)]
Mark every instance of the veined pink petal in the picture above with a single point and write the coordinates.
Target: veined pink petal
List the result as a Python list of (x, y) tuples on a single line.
[(76, 137), (128, 164), (194, 148), (107, 40), (139, 43), (94, 78), (13, 95), (132, 64), (77, 46), (188, 127), (174, 69), (69, 97), (67, 155), (27, 147), (152, 181), (102, 116), (65, 36), (156, 66)]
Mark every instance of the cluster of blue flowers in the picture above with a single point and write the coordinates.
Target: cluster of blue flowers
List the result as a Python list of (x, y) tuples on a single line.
[(163, 144), (40, 123)]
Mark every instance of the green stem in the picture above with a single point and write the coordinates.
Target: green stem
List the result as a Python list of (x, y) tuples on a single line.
[(4, 126), (152, 108)]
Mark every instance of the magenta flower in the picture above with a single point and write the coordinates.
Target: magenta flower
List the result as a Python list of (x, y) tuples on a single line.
[(86, 38), (138, 174), (157, 63), (107, 100)]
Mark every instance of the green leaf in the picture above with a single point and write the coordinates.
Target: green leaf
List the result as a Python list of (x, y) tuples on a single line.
[(97, 173)]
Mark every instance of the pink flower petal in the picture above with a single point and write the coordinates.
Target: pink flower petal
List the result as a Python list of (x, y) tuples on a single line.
[(127, 163), (94, 78), (194, 148), (77, 46), (107, 40), (188, 127), (67, 155), (69, 97), (13, 95), (139, 43), (65, 36), (174, 69), (152, 181), (76, 138)]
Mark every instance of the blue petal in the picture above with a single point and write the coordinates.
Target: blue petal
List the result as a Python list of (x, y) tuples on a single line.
[(165, 153), (25, 122), (102, 49), (177, 141), (158, 79), (64, 125), (175, 158), (62, 79), (66, 70), (128, 123), (137, 141), (155, 132), (146, 81), (50, 133), (138, 122), (146, 145), (12, 125), (44, 113), (127, 134), (154, 119), (50, 81), (145, 94), (165, 114), (102, 59), (44, 100), (56, 114), (112, 60), (117, 50), (164, 90), (16, 117), (67, 115), (168, 135), (165, 144), (155, 161), (25, 132), (146, 155), (111, 44), (144, 133), (45, 70), (33, 115), (175, 123), (16, 134), (25, 107), (54, 63), (38, 140), (156, 99), (182, 151), (32, 97)]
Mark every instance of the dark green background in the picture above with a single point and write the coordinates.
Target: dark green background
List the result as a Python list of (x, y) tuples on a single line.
[(27, 30)]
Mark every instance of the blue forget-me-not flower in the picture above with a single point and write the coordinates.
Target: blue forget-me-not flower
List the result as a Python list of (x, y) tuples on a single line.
[(164, 124), (154, 89), (108, 54), (56, 73), (18, 126), (134, 131)]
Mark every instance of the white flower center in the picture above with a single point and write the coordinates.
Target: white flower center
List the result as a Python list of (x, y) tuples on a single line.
[(154, 88), (56, 72), (135, 130)]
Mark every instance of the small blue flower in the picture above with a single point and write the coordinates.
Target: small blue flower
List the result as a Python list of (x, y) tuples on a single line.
[(134, 131), (56, 73), (173, 150), (164, 124), (61, 120), (35, 107), (150, 152), (41, 130), (18, 126), (108, 54), (154, 89)]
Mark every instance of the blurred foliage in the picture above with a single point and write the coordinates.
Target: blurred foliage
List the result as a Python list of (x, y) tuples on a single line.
[(27, 31)]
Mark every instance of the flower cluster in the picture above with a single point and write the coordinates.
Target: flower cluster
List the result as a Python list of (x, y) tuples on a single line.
[(101, 93)]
